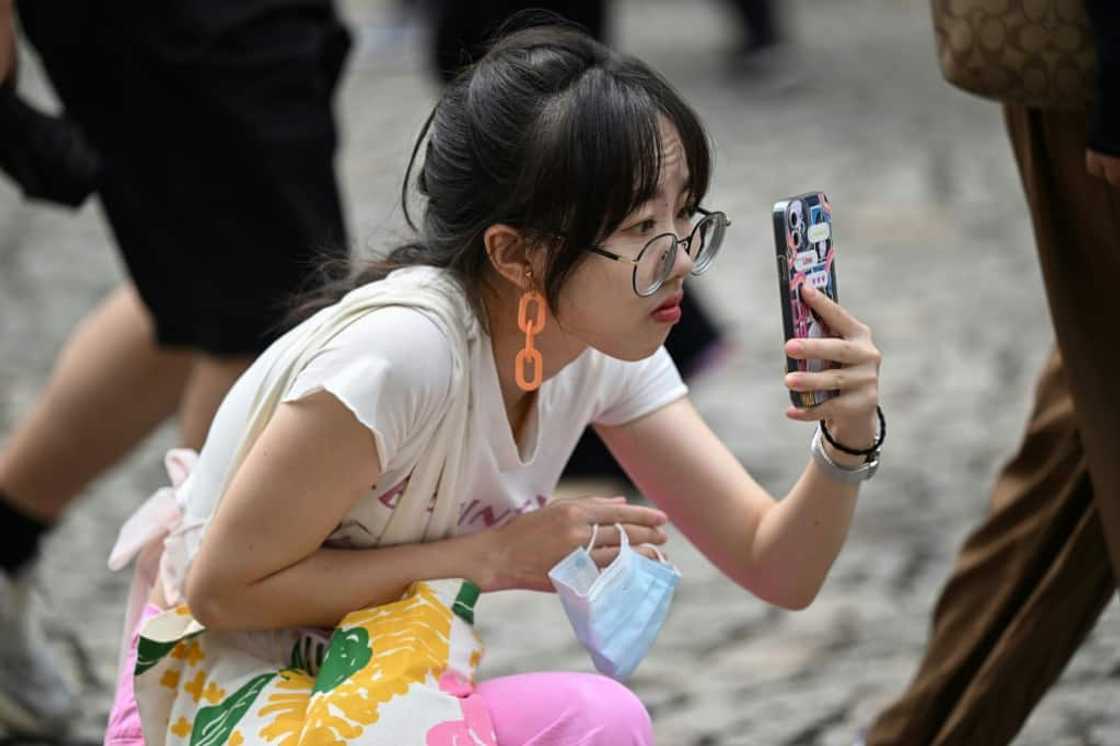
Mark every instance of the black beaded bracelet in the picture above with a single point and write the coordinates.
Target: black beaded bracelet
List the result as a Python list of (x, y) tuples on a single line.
[(859, 451)]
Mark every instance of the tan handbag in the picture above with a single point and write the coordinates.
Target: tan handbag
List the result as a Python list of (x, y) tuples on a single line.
[(1033, 52)]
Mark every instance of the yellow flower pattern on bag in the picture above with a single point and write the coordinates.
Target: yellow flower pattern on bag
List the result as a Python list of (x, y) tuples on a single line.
[(181, 728), (289, 706), (411, 643)]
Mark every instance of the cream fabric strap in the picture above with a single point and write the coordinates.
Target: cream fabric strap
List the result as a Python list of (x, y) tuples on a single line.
[(162, 541), (440, 469)]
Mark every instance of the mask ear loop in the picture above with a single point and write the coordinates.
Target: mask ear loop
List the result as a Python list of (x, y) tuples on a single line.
[(657, 551), (594, 534), (624, 541)]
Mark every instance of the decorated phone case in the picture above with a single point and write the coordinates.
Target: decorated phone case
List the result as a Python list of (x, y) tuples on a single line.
[(805, 253)]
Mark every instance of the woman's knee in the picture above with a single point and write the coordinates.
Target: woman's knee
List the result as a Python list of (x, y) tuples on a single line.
[(612, 712), (565, 708)]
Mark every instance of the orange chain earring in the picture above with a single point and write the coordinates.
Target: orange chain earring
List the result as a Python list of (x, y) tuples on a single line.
[(530, 355)]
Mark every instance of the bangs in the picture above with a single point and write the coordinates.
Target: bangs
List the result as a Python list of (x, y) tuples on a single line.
[(598, 156)]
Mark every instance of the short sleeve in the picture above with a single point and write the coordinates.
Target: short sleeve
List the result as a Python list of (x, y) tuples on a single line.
[(635, 389), (391, 369)]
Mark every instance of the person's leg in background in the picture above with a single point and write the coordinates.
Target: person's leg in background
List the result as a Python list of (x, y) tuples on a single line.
[(759, 23), (1076, 219), (1032, 581), (111, 385), (1032, 569), (210, 379), (125, 369), (212, 279)]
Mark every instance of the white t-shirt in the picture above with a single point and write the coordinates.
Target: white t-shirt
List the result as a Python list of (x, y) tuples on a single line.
[(392, 369)]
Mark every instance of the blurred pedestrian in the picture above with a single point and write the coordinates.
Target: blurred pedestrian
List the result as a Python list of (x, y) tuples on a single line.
[(760, 26), (214, 140), (1032, 579)]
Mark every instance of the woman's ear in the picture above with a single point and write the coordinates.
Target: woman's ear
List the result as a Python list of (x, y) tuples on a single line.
[(507, 251)]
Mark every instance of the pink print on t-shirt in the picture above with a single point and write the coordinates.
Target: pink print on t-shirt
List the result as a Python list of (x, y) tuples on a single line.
[(474, 512), (393, 496)]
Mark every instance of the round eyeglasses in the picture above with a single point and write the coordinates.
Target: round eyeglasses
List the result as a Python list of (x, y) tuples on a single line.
[(656, 259)]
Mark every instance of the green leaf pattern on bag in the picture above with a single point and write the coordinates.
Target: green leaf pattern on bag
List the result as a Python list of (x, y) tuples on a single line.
[(150, 652), (465, 601), (214, 725), (349, 653)]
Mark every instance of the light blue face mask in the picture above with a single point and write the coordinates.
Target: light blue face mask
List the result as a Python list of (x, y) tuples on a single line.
[(617, 612)]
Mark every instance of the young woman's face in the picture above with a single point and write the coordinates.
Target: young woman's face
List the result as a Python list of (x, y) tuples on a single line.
[(598, 305)]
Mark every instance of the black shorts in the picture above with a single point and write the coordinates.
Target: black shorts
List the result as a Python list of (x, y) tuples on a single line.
[(214, 121)]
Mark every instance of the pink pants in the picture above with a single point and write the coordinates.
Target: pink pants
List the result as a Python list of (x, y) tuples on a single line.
[(532, 709)]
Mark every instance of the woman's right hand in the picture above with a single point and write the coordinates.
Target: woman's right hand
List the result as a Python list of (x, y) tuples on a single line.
[(520, 553)]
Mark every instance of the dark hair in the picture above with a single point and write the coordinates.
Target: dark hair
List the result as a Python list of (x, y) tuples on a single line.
[(550, 132)]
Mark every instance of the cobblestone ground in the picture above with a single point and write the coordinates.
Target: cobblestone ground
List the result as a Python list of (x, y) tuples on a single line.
[(936, 255)]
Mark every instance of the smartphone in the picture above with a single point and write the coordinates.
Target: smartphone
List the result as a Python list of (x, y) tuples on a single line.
[(805, 254)]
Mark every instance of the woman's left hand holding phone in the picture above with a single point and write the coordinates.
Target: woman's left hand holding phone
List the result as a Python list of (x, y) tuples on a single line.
[(851, 416)]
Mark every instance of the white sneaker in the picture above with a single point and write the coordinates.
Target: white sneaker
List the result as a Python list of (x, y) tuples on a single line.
[(35, 695)]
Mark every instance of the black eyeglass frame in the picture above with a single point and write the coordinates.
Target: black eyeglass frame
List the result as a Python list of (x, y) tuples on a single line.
[(687, 241)]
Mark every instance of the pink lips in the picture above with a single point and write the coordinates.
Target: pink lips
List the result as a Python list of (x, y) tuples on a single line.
[(669, 312)]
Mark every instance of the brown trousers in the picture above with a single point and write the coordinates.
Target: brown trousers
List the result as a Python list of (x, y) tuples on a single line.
[(1031, 581)]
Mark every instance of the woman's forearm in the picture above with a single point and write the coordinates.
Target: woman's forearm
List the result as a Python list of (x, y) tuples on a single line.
[(325, 586), (799, 538)]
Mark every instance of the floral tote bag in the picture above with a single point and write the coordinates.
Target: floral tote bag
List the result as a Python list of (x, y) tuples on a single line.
[(399, 674)]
